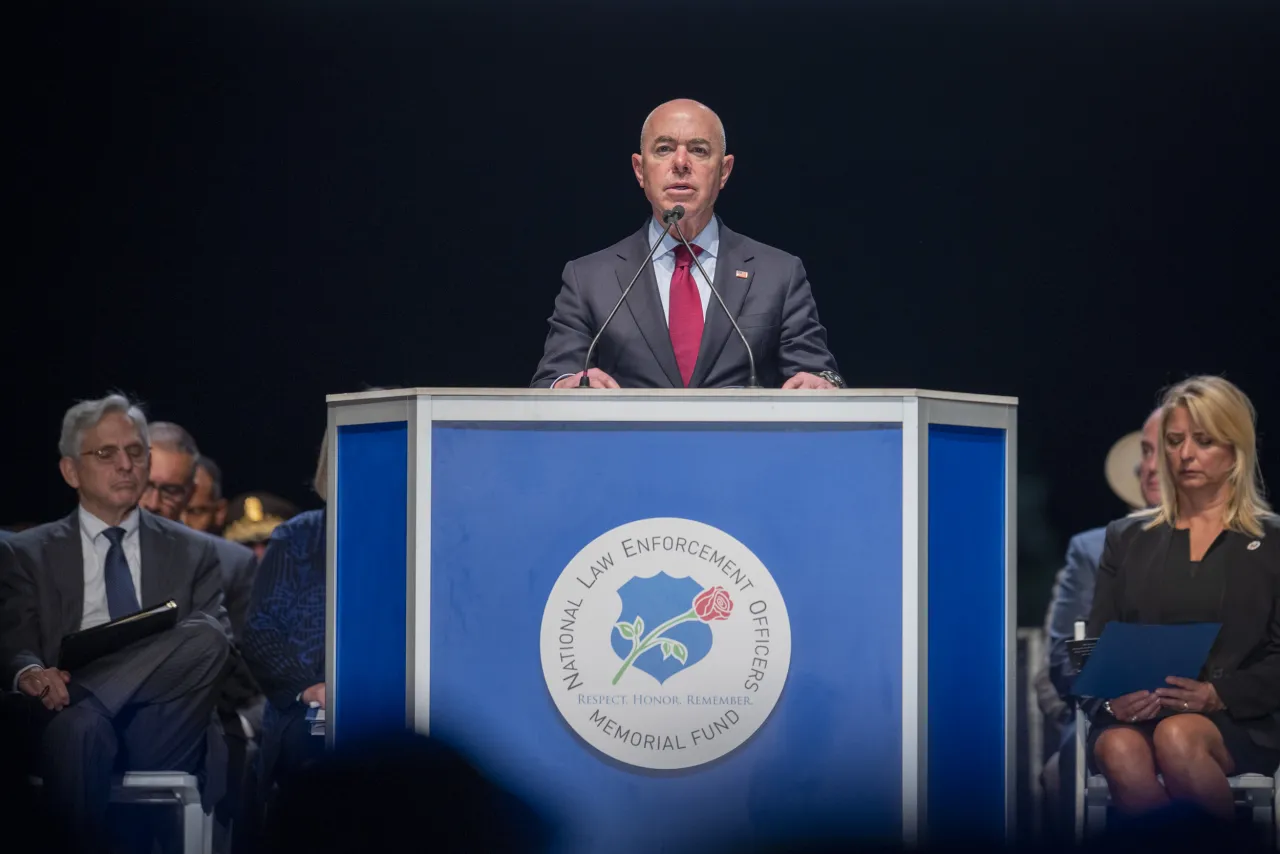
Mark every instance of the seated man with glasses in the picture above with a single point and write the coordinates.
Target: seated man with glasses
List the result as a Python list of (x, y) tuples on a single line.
[(170, 489), (149, 706), (207, 508)]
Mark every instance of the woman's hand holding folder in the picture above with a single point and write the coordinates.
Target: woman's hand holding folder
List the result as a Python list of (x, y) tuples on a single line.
[(1135, 707), (1188, 695)]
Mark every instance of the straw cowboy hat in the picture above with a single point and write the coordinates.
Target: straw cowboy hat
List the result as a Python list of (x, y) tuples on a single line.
[(1122, 469)]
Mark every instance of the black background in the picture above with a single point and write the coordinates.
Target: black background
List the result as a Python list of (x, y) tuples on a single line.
[(232, 210)]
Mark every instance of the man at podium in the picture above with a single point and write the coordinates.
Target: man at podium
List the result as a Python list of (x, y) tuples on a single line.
[(672, 331)]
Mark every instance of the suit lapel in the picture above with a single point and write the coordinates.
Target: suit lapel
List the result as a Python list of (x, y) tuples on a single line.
[(157, 549), (66, 564), (718, 328), (645, 305), (1242, 595)]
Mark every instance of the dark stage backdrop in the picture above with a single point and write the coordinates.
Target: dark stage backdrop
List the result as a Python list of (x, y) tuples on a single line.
[(233, 210)]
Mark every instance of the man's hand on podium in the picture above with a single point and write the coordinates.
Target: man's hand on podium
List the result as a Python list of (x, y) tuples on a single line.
[(597, 378), (803, 380)]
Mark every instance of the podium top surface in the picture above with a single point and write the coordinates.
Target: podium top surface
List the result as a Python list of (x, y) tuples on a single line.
[(670, 394)]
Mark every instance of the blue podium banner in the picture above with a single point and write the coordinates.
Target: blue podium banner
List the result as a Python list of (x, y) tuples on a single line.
[(671, 635)]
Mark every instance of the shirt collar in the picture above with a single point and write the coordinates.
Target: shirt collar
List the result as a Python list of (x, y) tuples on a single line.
[(93, 526), (708, 239)]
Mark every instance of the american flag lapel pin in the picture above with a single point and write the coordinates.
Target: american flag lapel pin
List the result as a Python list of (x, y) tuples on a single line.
[(742, 274)]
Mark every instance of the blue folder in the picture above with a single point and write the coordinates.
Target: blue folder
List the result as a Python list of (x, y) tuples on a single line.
[(1134, 657)]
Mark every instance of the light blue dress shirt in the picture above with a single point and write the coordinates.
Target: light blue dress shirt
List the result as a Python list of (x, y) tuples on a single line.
[(94, 545)]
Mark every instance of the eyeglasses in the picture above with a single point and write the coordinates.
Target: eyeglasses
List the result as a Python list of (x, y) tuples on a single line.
[(169, 492), (137, 452)]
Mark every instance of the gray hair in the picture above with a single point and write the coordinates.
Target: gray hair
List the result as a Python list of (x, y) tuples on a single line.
[(724, 140), (173, 437), (87, 414)]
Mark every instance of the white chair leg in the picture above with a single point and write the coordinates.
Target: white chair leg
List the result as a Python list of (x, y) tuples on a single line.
[(193, 829), (1096, 822), (207, 847), (1080, 778), (1275, 810), (1082, 770)]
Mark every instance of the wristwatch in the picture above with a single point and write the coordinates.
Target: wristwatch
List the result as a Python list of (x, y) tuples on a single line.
[(1107, 707), (831, 377)]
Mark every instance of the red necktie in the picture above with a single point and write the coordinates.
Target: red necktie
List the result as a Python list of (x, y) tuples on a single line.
[(684, 313)]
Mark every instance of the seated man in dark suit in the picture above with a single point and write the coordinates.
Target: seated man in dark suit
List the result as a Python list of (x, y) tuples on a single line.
[(169, 491), (284, 638), (1135, 481), (148, 706), (672, 332), (174, 459), (207, 507)]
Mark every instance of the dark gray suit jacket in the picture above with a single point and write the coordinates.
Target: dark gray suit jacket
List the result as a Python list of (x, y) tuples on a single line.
[(773, 305), (238, 564), (1072, 600), (42, 584)]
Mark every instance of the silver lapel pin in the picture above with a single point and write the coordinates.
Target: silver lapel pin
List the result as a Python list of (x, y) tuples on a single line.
[(1253, 547)]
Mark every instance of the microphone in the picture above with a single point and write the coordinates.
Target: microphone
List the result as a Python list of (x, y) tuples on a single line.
[(751, 358), (668, 218)]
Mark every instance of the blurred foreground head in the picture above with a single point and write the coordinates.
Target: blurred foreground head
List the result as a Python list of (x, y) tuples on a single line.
[(406, 791)]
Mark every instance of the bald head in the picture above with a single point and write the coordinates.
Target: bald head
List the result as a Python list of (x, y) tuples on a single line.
[(682, 161), (1149, 468), (683, 105)]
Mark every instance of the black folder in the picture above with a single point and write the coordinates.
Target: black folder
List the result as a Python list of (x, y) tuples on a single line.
[(83, 647)]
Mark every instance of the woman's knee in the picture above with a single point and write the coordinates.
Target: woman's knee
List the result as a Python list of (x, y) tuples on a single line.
[(1181, 741), (1122, 752)]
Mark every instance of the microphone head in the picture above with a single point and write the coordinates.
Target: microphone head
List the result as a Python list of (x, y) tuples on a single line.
[(673, 215)]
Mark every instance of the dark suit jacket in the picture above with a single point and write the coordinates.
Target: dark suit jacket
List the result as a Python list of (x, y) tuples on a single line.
[(238, 564), (1072, 600), (1244, 664), (42, 584), (773, 305)]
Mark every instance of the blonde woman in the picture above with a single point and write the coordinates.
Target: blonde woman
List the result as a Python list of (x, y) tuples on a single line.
[(1210, 552)]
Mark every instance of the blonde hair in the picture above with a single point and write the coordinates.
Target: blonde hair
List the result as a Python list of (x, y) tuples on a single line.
[(320, 483), (1222, 410)]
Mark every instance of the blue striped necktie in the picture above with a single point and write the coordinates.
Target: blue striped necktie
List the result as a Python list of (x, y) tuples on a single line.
[(122, 597)]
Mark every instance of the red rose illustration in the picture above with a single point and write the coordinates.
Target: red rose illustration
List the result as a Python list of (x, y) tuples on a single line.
[(713, 604)]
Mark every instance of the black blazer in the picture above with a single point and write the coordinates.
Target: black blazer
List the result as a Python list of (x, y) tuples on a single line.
[(771, 301), (1244, 664), (42, 584)]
